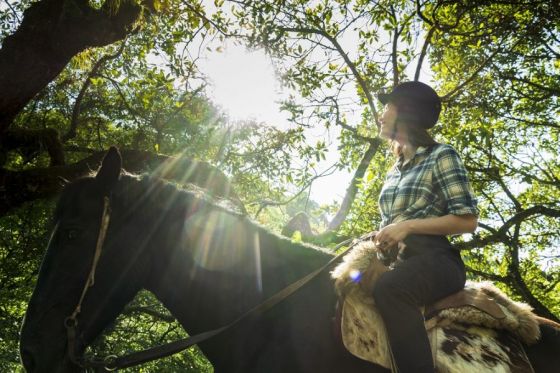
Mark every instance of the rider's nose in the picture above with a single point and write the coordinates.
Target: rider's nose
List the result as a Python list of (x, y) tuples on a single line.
[(27, 360)]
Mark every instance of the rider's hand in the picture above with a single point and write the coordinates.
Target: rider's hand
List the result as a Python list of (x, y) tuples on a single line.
[(389, 236), (369, 236)]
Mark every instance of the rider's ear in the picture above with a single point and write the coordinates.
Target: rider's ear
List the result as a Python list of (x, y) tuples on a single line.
[(110, 170)]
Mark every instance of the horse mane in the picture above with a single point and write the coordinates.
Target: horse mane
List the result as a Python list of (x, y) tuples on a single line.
[(137, 188), (161, 191), (136, 193)]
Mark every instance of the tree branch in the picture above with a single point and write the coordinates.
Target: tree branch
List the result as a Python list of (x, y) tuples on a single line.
[(450, 94), (518, 283), (77, 105), (362, 83), (40, 48), (394, 50), (550, 90), (19, 187), (29, 143), (500, 234), (266, 203), (352, 189), (488, 276), (427, 42), (347, 127)]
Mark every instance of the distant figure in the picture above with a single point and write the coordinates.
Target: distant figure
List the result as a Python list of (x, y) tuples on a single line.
[(300, 223)]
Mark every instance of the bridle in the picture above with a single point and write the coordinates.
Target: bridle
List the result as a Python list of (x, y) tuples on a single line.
[(71, 322), (112, 362)]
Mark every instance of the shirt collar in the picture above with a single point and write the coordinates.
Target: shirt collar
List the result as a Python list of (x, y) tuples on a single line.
[(419, 151)]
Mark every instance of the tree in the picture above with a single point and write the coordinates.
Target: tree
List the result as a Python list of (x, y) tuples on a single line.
[(51, 33), (113, 95), (70, 91), (495, 66), (78, 76), (509, 131)]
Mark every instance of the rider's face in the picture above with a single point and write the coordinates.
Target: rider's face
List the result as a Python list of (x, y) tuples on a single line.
[(388, 120)]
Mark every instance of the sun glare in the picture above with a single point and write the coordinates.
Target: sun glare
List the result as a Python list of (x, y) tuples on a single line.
[(243, 83)]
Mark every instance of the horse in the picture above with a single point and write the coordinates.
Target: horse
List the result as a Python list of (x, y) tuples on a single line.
[(206, 263)]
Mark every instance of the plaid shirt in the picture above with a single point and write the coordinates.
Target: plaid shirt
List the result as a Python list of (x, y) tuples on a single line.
[(433, 183)]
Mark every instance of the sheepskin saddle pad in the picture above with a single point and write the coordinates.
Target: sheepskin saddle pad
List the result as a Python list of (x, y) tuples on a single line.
[(466, 334)]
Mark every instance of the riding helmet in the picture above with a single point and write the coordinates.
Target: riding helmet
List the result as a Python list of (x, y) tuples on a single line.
[(416, 102)]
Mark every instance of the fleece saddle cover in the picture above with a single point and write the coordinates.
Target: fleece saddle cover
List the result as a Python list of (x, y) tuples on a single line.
[(463, 338)]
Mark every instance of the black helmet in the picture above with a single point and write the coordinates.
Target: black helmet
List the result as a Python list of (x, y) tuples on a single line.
[(417, 103)]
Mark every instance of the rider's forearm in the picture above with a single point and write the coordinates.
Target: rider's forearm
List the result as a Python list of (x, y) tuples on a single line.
[(443, 225)]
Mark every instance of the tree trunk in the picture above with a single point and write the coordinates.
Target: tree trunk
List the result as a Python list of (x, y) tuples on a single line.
[(340, 216), (19, 187), (51, 33)]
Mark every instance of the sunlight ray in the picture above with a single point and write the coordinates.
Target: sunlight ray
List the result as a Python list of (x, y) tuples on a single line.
[(258, 269)]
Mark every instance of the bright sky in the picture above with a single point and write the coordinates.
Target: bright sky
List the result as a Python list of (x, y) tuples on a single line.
[(245, 86)]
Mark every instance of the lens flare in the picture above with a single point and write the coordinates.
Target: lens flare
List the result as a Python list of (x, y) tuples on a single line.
[(355, 275)]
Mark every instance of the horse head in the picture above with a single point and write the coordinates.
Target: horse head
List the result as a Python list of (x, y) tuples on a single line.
[(66, 267)]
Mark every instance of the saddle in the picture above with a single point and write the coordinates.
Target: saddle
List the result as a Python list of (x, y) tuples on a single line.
[(477, 328), (469, 296)]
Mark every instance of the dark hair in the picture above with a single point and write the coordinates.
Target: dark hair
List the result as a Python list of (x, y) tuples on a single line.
[(418, 103), (417, 136)]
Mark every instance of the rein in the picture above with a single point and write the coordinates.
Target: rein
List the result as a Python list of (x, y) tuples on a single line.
[(113, 362)]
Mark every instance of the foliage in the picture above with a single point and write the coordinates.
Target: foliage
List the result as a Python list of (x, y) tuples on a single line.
[(22, 242), (495, 64), (144, 324), (509, 133)]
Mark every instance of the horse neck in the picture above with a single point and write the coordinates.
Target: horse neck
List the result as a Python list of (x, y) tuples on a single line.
[(215, 265)]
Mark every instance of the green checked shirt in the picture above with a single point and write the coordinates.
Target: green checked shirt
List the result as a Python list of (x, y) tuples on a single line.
[(433, 183)]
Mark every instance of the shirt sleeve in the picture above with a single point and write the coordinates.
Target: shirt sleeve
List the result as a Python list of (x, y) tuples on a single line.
[(450, 177)]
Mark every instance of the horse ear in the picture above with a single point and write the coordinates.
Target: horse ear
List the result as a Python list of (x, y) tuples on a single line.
[(110, 170)]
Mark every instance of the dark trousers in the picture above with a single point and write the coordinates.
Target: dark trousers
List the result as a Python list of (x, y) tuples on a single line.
[(431, 269)]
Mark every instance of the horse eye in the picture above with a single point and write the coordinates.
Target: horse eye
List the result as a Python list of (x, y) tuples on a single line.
[(72, 234)]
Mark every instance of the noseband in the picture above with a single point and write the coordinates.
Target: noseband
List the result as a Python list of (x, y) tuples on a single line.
[(113, 362)]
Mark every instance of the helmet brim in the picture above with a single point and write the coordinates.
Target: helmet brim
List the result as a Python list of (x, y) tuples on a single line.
[(384, 98)]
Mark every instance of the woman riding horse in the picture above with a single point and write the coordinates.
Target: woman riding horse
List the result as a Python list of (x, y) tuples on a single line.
[(426, 197)]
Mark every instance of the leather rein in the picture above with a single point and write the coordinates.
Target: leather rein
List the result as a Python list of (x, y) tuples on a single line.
[(113, 362)]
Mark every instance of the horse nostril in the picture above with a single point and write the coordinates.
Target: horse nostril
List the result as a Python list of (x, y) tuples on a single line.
[(27, 360)]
